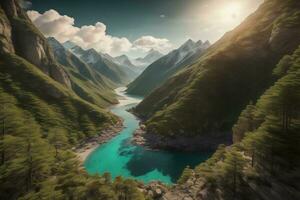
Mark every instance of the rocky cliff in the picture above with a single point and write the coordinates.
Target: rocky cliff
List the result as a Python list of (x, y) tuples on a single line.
[(53, 94), (18, 35)]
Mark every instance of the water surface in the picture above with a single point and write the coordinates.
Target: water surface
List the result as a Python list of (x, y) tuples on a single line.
[(120, 158)]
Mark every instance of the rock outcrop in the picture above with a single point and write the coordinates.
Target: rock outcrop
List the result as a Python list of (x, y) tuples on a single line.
[(182, 143), (5, 32), (18, 35)]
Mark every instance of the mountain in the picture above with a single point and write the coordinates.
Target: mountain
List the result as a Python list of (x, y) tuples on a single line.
[(151, 56), (41, 86), (159, 71), (22, 38), (200, 104), (43, 120), (263, 162), (125, 62), (69, 44), (86, 82), (104, 64)]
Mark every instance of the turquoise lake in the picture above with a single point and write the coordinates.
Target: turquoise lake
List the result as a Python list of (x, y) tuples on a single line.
[(120, 158)]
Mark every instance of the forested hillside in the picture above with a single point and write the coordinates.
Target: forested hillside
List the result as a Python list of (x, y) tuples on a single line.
[(87, 83), (105, 65), (42, 119), (263, 163), (207, 98), (165, 67)]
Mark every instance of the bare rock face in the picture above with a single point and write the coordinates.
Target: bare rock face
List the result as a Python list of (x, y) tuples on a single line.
[(20, 36), (5, 34), (10, 7)]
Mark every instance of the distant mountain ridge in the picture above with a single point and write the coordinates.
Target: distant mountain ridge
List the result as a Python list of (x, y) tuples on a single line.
[(124, 61), (168, 65), (103, 63), (205, 99), (88, 83), (150, 57), (44, 88)]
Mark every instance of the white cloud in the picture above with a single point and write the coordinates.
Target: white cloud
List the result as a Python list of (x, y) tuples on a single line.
[(51, 23), (149, 42), (62, 27)]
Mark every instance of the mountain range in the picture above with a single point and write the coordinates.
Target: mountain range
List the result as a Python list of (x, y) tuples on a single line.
[(168, 65), (54, 90), (238, 99), (104, 64), (151, 56), (124, 61), (205, 99), (88, 83)]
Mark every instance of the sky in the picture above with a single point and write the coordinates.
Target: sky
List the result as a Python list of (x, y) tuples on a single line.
[(133, 27)]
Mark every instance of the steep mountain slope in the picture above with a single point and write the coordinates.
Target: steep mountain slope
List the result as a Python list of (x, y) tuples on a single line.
[(42, 119), (264, 161), (39, 85), (144, 62), (159, 71), (207, 98), (86, 82), (125, 62), (104, 64), (21, 37)]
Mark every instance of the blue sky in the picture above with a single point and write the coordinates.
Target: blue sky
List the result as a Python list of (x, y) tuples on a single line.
[(172, 20)]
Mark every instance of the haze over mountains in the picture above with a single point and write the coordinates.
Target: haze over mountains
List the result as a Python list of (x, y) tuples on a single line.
[(238, 99), (91, 83), (207, 97), (133, 67), (145, 61), (104, 64), (168, 65)]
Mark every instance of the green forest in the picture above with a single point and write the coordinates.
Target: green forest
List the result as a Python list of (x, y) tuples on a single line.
[(236, 100)]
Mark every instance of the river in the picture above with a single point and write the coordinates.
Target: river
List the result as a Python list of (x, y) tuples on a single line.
[(121, 158)]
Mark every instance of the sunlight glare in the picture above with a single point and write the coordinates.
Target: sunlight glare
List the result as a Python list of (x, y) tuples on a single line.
[(232, 10)]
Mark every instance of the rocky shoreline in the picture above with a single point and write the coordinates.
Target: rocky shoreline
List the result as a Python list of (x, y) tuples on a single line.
[(180, 143), (193, 189), (89, 145)]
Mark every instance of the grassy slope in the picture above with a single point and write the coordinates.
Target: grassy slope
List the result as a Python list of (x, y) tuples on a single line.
[(159, 72), (153, 76), (51, 103), (41, 120), (86, 82), (209, 96), (112, 71), (115, 73), (48, 101)]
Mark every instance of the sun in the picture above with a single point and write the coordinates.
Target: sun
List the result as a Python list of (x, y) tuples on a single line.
[(232, 10)]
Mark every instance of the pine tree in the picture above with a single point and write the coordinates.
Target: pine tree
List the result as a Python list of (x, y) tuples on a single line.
[(233, 171), (58, 138), (88, 127)]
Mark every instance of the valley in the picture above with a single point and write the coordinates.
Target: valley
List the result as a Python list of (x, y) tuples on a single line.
[(198, 102), (120, 157)]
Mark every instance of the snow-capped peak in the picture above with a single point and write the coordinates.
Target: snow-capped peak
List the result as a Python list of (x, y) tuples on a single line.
[(188, 45)]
